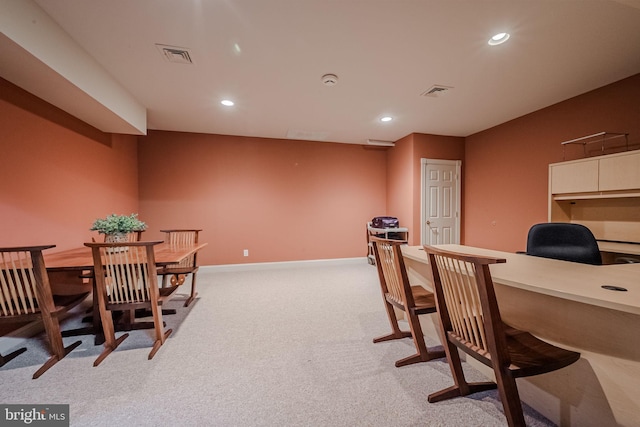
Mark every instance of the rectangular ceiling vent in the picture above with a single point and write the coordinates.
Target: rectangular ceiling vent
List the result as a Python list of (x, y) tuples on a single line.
[(178, 55), (436, 90)]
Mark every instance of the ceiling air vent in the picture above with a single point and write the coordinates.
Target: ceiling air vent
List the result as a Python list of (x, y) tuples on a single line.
[(179, 55), (435, 90)]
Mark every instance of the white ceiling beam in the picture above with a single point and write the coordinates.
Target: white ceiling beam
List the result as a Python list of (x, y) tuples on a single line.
[(34, 41)]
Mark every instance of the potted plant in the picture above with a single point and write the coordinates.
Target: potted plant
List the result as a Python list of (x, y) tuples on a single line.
[(116, 227)]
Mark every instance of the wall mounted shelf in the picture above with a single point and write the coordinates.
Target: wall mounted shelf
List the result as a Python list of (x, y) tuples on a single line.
[(599, 137)]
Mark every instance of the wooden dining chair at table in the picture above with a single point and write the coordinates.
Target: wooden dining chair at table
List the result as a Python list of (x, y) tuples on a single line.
[(470, 321), (25, 295), (134, 236), (126, 280), (177, 273), (398, 293)]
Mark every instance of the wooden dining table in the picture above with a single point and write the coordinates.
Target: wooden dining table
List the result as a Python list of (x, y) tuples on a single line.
[(81, 259), (70, 270)]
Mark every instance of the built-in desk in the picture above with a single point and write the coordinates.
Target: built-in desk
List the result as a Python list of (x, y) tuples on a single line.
[(564, 303)]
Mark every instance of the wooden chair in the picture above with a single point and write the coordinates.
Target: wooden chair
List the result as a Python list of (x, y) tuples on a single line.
[(471, 322), (398, 293), (25, 295), (126, 280), (176, 273)]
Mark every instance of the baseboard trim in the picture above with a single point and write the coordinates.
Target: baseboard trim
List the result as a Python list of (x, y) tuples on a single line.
[(282, 264)]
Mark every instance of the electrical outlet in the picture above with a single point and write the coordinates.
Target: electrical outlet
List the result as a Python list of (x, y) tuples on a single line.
[(246, 252)]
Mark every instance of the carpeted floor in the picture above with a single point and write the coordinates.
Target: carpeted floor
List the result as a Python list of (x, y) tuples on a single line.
[(289, 346)]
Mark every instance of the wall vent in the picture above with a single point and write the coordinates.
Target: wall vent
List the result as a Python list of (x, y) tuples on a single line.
[(380, 143), (435, 90), (178, 55)]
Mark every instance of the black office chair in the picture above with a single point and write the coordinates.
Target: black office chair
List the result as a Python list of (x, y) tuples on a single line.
[(563, 241)]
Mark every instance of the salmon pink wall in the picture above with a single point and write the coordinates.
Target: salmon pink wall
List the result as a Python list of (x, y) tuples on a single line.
[(58, 174), (506, 176), (283, 200), (404, 175), (400, 182)]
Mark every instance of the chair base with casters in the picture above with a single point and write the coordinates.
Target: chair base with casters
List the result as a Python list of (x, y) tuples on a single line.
[(398, 293), (26, 296), (471, 322)]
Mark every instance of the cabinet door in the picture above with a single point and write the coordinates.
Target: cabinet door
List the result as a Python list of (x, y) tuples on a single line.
[(575, 177), (620, 172)]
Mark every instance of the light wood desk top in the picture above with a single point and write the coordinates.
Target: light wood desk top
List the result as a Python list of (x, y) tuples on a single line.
[(81, 258), (562, 279), (619, 247), (563, 302)]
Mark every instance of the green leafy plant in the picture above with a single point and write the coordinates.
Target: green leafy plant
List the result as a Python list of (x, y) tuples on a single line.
[(118, 224)]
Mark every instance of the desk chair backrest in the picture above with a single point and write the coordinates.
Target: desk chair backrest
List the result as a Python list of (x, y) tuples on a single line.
[(563, 241)]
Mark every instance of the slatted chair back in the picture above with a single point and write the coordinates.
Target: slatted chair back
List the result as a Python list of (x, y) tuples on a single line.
[(397, 292), (127, 273), (182, 238), (392, 272), (471, 321), (18, 293), (470, 307), (25, 294), (177, 273), (126, 279)]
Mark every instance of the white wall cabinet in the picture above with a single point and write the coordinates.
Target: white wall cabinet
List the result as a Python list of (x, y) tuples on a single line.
[(613, 172), (619, 172), (602, 193), (574, 177)]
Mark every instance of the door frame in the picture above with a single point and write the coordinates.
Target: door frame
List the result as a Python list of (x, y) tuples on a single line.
[(423, 196)]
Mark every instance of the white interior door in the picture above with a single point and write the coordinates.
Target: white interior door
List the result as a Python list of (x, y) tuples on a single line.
[(440, 201)]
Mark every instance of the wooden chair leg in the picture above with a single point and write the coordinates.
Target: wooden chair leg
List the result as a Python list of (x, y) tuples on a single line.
[(110, 341), (109, 348), (510, 397), (461, 387), (160, 333), (158, 343), (54, 336), (393, 321), (423, 354), (193, 291), (55, 359)]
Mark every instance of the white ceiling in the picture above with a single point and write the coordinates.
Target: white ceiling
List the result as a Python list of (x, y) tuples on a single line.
[(269, 57)]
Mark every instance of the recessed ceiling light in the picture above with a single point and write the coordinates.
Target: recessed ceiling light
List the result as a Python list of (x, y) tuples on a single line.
[(227, 103), (386, 119), (499, 39)]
